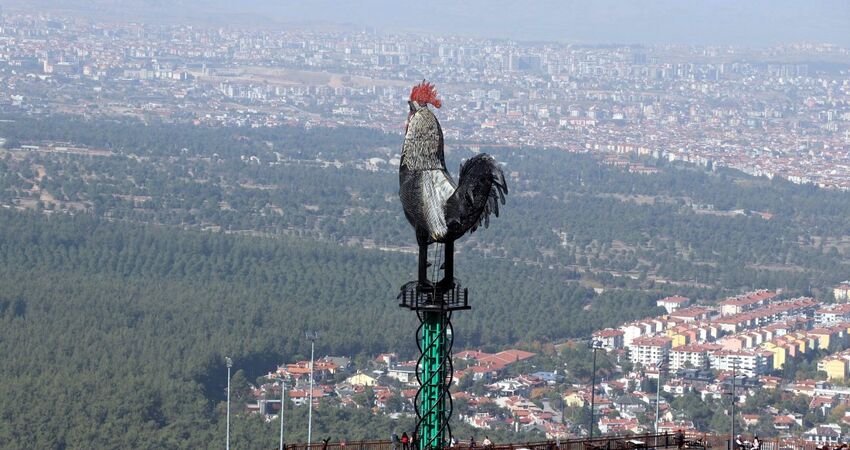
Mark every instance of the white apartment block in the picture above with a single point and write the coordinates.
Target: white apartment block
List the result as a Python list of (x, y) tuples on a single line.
[(691, 356), (648, 351), (750, 362)]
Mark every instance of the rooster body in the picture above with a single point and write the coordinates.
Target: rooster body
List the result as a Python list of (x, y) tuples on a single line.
[(440, 209)]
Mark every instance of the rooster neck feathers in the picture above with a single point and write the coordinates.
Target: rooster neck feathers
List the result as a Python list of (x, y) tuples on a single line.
[(423, 139), (423, 142)]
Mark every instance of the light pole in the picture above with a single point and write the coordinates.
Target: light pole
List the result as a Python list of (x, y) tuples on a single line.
[(732, 396), (658, 366), (595, 345), (312, 336), (229, 363), (282, 402)]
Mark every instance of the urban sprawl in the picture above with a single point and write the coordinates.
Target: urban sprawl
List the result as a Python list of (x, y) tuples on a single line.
[(775, 112)]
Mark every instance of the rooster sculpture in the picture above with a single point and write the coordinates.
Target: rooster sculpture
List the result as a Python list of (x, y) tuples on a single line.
[(440, 209)]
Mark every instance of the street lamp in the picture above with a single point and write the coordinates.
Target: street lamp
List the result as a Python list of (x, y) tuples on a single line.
[(282, 402), (732, 395), (229, 363), (658, 366), (595, 345), (312, 336)]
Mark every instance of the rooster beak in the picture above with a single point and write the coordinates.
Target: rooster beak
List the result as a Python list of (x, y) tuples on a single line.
[(413, 108)]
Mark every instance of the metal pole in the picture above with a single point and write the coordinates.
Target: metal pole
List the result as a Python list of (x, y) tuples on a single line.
[(734, 374), (312, 337), (282, 402), (432, 407), (229, 363), (658, 367), (593, 391)]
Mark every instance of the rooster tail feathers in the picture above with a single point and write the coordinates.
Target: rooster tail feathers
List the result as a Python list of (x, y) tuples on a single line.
[(481, 187)]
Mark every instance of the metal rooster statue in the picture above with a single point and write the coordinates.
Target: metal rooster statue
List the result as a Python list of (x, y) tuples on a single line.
[(441, 211)]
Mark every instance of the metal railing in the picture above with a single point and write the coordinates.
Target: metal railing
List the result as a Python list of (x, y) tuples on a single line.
[(606, 442)]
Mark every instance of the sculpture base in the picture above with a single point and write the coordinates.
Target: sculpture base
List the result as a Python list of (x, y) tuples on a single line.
[(437, 297)]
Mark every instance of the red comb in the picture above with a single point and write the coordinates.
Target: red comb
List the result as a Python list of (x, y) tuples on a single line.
[(423, 93)]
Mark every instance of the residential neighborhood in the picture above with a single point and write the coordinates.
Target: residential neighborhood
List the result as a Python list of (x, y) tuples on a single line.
[(787, 357)]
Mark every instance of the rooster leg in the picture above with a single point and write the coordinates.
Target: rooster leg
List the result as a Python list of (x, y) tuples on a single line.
[(423, 266), (448, 267)]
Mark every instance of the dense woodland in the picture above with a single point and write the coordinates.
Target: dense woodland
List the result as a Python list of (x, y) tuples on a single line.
[(114, 333), (125, 279), (695, 229)]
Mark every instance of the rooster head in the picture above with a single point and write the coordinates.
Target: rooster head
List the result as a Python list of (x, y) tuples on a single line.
[(424, 93), (420, 96)]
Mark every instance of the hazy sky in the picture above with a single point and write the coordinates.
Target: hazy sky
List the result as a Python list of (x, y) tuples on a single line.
[(741, 22), (635, 21)]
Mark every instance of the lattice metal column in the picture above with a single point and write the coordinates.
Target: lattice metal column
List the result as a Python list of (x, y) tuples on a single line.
[(433, 399)]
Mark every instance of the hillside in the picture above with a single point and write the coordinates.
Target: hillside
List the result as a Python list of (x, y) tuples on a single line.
[(124, 327), (681, 228), (134, 257)]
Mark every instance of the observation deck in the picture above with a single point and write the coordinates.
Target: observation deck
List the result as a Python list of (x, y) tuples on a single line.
[(418, 297)]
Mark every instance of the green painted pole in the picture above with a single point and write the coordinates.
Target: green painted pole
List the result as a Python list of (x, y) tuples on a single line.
[(432, 405)]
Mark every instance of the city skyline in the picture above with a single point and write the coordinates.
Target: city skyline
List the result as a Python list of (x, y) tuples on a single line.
[(715, 22), (781, 111)]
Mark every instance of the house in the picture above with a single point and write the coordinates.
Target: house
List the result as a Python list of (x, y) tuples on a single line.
[(574, 399), (631, 331), (482, 372), (770, 382), (490, 365), (833, 314), (836, 367), (748, 362), (557, 431), (336, 364), (750, 420), (674, 426), (610, 339), (842, 291), (548, 377), (361, 379), (647, 351), (405, 372), (509, 388), (610, 426), (784, 422), (323, 368), (629, 406), (692, 356), (822, 403), (386, 358), (671, 304), (746, 302), (692, 314), (824, 434), (480, 420), (302, 397), (676, 387)]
